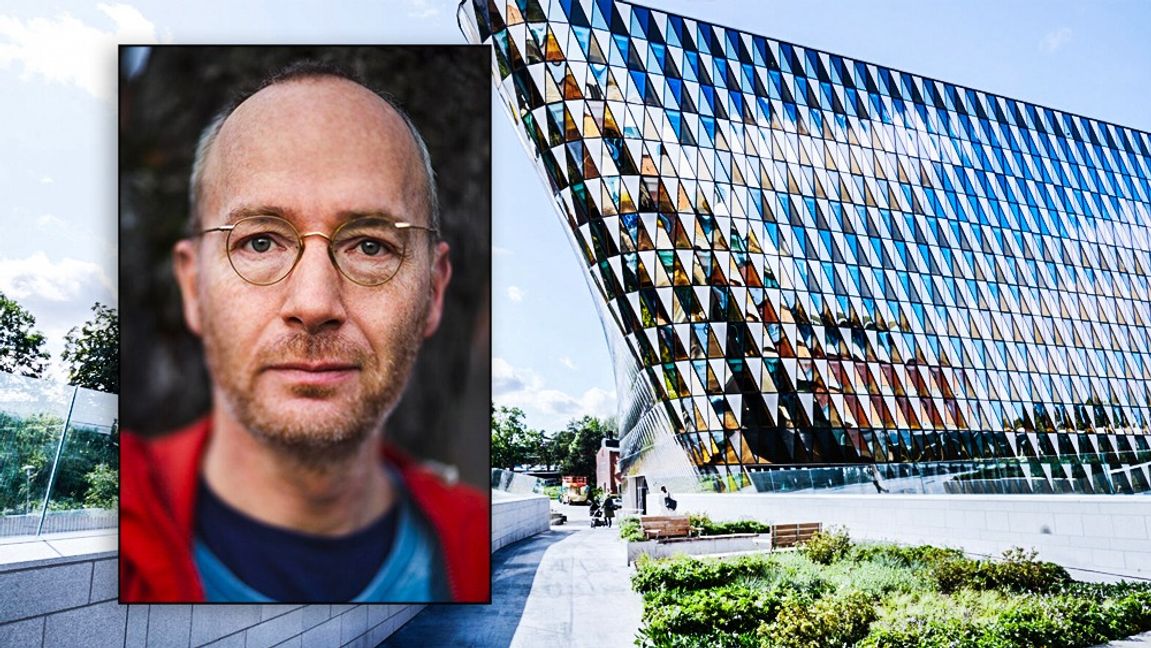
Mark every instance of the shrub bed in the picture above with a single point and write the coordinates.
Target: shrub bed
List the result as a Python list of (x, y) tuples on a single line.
[(836, 593)]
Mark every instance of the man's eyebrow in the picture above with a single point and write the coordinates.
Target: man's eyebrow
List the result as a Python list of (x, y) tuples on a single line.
[(247, 212), (380, 214)]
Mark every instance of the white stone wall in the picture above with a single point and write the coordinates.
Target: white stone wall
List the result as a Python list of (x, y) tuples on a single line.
[(62, 592), (515, 517), (71, 601), (1099, 534)]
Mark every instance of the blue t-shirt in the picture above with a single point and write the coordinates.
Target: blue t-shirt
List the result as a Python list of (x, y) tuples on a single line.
[(395, 559)]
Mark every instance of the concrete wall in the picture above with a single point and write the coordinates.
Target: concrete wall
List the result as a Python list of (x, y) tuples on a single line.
[(61, 591), (515, 517), (1100, 533)]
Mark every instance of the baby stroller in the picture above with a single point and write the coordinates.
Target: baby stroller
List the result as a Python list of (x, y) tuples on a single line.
[(597, 515)]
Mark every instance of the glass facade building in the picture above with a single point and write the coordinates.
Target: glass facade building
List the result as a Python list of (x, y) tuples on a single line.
[(822, 273)]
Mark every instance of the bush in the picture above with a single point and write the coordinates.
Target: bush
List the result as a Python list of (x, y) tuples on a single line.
[(630, 530), (826, 547), (1018, 571), (707, 527), (1051, 621), (1130, 613), (913, 556), (875, 578), (103, 487), (686, 573), (719, 615), (1101, 591), (823, 623)]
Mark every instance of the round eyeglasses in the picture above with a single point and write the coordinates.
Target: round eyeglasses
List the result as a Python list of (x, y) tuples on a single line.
[(368, 251)]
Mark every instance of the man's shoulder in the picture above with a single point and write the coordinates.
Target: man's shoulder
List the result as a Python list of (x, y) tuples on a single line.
[(162, 468), (177, 443), (431, 490)]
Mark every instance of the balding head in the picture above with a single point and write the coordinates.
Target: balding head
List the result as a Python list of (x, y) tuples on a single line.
[(327, 91)]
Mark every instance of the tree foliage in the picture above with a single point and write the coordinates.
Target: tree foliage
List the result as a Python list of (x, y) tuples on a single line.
[(92, 351), (513, 444), (27, 449), (587, 433), (21, 345)]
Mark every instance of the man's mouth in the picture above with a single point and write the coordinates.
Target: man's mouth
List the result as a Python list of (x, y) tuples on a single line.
[(316, 373)]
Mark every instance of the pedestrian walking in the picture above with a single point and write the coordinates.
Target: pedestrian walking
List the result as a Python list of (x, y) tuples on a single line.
[(668, 502)]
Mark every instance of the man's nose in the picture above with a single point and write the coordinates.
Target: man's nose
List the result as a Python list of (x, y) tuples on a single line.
[(314, 299)]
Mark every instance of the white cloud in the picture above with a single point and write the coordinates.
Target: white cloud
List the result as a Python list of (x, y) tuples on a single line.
[(49, 222), (59, 294), (567, 362), (525, 389), (515, 293), (47, 180), (39, 278), (65, 50), (421, 9), (1055, 40)]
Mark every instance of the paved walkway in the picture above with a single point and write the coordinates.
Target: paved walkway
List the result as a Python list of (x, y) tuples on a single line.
[(568, 587)]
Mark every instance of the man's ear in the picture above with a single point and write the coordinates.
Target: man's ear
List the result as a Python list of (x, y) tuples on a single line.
[(185, 264), (441, 275)]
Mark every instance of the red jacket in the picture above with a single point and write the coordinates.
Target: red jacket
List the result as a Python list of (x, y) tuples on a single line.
[(158, 481)]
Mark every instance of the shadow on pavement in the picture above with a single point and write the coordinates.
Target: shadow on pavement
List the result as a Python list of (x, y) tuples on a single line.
[(513, 571)]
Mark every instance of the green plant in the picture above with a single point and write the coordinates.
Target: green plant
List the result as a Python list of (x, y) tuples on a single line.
[(630, 529), (908, 556), (823, 623), (707, 527), (720, 615), (103, 487), (1051, 621), (1017, 571), (826, 547), (686, 573), (884, 596)]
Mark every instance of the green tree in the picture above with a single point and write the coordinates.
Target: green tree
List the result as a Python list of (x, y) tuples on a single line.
[(513, 444), (103, 487), (554, 449), (587, 434), (21, 345), (92, 351), (27, 446)]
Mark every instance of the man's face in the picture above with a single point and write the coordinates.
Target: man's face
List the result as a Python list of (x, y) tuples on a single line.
[(314, 362)]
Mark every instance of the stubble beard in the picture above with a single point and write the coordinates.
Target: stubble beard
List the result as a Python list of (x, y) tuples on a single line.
[(321, 442)]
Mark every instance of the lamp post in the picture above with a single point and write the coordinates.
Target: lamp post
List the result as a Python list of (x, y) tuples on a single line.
[(28, 470)]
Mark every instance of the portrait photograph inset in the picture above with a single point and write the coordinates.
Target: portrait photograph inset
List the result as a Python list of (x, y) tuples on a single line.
[(305, 270)]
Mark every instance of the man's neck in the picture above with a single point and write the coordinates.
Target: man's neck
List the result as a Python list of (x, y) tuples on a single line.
[(269, 485)]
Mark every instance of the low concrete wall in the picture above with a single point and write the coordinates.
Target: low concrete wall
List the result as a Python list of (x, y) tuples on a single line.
[(1098, 533), (515, 517), (61, 591)]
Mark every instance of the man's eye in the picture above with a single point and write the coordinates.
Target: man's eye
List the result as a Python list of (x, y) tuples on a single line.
[(260, 243), (373, 247)]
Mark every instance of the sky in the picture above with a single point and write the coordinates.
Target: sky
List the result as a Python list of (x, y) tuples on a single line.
[(58, 249)]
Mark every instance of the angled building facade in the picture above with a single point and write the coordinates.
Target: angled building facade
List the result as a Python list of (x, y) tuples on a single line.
[(821, 273)]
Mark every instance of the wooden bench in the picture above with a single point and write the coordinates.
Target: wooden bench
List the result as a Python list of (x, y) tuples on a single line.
[(790, 535), (664, 526)]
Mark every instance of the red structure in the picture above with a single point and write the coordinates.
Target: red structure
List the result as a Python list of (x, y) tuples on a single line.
[(607, 466)]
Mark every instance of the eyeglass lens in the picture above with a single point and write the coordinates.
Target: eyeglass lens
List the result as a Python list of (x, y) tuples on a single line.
[(369, 251)]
